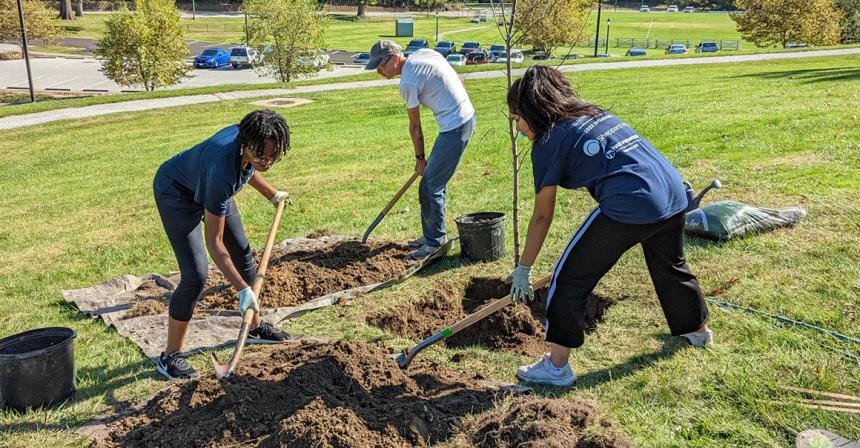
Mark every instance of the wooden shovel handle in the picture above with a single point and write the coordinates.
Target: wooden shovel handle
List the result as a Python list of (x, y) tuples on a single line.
[(257, 287), (492, 308), (400, 193)]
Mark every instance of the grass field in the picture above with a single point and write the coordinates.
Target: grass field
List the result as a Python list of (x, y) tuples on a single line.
[(346, 33), (80, 211)]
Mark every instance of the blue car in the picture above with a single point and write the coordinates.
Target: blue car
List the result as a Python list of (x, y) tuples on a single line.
[(212, 58)]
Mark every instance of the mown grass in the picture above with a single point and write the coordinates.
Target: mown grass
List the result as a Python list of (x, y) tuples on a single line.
[(346, 33), (79, 211)]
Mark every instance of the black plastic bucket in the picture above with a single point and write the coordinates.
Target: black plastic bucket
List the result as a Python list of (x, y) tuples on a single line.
[(37, 368), (482, 235)]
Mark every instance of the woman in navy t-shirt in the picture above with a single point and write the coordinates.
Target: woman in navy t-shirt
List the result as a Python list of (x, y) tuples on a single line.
[(641, 200), (197, 187)]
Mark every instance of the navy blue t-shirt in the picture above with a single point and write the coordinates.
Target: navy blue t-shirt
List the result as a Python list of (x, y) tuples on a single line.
[(207, 175), (626, 175)]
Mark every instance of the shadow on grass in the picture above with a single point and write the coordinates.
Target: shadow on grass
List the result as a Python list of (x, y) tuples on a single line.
[(810, 75), (671, 345)]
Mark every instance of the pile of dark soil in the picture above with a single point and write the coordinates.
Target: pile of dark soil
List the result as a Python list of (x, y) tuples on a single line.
[(541, 422), (342, 395), (517, 328), (153, 300), (297, 277)]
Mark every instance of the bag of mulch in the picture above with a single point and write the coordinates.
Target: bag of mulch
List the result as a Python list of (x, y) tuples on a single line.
[(724, 220)]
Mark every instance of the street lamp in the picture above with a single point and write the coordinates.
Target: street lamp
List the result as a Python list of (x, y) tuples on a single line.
[(26, 51), (608, 25), (437, 26)]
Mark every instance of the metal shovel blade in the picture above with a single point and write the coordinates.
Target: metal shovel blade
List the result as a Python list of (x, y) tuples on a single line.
[(224, 371), (221, 370)]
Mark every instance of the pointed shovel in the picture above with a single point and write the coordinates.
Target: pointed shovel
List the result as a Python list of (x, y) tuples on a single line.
[(405, 358), (222, 370), (388, 207)]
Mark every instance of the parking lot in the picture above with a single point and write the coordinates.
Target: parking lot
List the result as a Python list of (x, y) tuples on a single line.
[(84, 75)]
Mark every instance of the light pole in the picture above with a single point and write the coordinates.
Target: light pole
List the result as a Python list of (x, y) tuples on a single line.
[(597, 34), (608, 25), (437, 26), (26, 51), (247, 39), (193, 10)]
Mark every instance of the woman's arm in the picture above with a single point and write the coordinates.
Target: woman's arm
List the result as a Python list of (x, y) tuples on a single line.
[(215, 245), (261, 185), (539, 225)]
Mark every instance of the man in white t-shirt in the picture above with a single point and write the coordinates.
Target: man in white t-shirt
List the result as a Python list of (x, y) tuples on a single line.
[(427, 79)]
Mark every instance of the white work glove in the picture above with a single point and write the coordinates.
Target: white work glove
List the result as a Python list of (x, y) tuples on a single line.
[(280, 196), (521, 284), (247, 299)]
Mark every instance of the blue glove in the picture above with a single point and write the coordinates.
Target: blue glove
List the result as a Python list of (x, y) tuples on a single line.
[(278, 197), (247, 299), (521, 284)]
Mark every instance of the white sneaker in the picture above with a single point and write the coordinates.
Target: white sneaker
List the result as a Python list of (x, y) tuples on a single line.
[(700, 338), (544, 372)]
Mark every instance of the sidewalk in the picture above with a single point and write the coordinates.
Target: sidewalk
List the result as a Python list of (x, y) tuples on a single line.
[(141, 105)]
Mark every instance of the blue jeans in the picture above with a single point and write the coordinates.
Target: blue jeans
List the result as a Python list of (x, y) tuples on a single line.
[(447, 152)]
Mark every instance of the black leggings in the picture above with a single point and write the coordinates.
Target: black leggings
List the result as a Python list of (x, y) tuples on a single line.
[(595, 248), (182, 221)]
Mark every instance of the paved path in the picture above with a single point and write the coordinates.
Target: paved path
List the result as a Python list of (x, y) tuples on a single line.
[(140, 105)]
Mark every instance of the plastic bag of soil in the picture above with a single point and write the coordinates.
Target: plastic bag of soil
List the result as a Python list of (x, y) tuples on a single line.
[(723, 220)]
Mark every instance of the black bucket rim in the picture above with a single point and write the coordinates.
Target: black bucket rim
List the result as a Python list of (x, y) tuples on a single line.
[(492, 217), (69, 334)]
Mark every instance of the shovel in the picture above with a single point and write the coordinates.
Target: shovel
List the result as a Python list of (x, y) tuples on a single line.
[(405, 358), (388, 207), (223, 371)]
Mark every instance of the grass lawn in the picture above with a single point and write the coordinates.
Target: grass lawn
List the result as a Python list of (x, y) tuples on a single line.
[(776, 133), (346, 33)]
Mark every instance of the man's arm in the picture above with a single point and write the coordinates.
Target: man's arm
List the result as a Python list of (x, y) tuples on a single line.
[(417, 135), (214, 231), (261, 185)]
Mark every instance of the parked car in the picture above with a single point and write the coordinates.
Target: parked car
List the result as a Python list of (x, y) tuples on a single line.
[(570, 56), (477, 57), (469, 47), (677, 49), (796, 45), (415, 45), (540, 56), (456, 59), (212, 58), (496, 51), (241, 57), (446, 47), (636, 52), (516, 57), (361, 58), (707, 46), (479, 19), (672, 8), (644, 8), (689, 9)]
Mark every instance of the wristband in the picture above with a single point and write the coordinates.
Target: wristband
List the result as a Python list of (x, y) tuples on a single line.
[(419, 156)]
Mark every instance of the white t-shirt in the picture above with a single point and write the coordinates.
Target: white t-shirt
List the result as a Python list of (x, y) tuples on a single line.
[(428, 79)]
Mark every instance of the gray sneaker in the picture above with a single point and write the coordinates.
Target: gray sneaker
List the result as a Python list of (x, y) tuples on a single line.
[(544, 372), (700, 339), (422, 252)]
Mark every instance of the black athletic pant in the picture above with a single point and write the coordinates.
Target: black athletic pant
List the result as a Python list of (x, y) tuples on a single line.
[(182, 220), (595, 248)]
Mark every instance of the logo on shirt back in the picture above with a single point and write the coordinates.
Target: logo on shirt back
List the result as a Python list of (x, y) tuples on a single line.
[(591, 148)]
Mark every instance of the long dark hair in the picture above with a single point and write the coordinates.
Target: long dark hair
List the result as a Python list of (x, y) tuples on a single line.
[(263, 126), (543, 96)]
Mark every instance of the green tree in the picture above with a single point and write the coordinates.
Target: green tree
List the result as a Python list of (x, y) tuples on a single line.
[(41, 22), (291, 34), (144, 48), (851, 20), (552, 26), (771, 22)]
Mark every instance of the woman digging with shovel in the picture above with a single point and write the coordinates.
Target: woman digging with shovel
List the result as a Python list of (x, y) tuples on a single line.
[(198, 185), (641, 200)]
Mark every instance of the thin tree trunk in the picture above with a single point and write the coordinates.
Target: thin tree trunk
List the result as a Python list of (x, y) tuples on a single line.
[(361, 10), (66, 10), (79, 8)]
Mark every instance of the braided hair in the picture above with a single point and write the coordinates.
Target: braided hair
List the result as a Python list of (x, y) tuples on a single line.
[(263, 126), (543, 96)]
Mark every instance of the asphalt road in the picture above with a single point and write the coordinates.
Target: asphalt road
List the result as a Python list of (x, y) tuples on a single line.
[(84, 75)]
